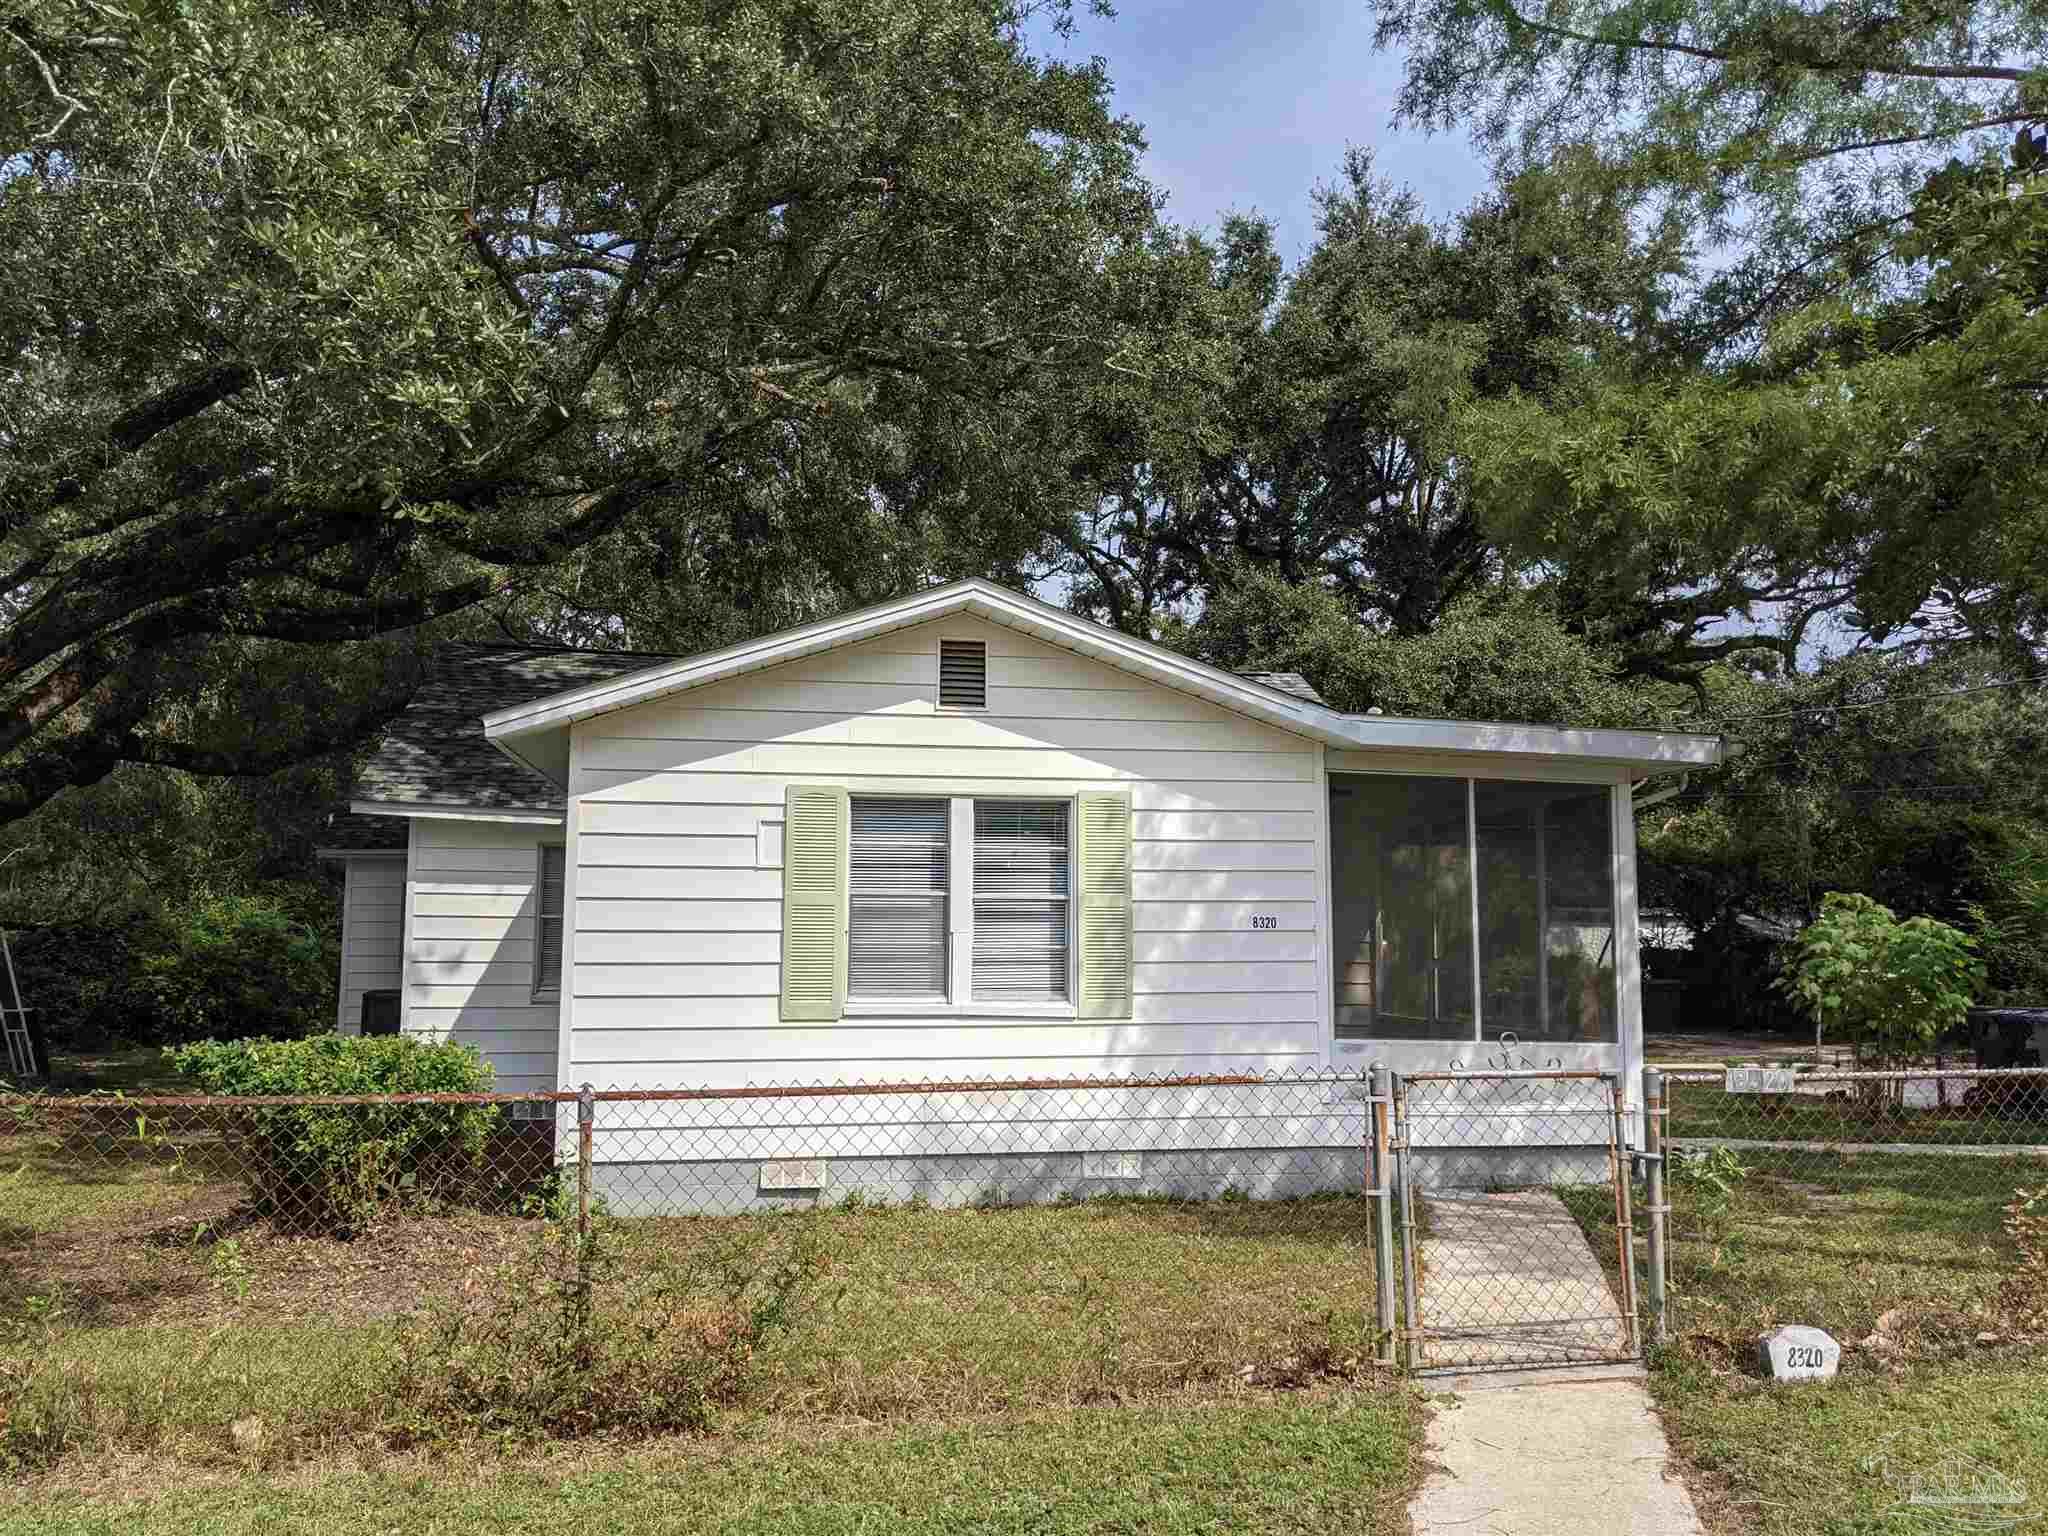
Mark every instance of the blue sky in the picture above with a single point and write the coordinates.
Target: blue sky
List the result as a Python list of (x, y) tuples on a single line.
[(1248, 105)]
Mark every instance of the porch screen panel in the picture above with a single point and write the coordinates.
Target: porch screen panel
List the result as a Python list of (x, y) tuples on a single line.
[(1022, 877), (1401, 881), (1546, 910), (896, 906)]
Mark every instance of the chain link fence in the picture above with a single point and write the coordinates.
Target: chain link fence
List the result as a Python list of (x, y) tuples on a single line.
[(326, 1162), (1877, 1204)]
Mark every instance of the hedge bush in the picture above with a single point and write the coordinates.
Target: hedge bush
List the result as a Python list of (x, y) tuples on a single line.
[(336, 1167), (260, 962)]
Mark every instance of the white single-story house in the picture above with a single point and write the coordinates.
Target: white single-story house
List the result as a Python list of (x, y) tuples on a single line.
[(968, 835)]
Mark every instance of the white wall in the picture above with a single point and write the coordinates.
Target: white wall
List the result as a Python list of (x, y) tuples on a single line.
[(675, 921), (372, 931), (470, 945)]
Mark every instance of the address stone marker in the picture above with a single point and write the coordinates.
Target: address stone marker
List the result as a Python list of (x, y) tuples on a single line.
[(1798, 1353)]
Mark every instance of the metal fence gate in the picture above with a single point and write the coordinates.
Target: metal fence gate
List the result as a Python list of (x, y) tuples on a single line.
[(1492, 1173)]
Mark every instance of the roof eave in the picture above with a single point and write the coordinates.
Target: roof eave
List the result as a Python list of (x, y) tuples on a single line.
[(523, 731)]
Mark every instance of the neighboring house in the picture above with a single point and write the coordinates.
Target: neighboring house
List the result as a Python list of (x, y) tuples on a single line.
[(968, 834)]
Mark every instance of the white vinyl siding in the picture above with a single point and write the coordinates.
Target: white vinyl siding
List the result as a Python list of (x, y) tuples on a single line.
[(372, 932), (1022, 886), (896, 925), (547, 963), (676, 932), (473, 947)]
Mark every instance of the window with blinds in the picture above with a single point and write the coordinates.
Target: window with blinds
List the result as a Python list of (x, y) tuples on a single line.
[(896, 903), (1021, 886), (547, 950)]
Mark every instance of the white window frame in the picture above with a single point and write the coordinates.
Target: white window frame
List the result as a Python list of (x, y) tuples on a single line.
[(960, 1001), (882, 1004), (544, 994)]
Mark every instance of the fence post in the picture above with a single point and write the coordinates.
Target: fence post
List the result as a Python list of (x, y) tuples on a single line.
[(1404, 1178), (586, 1115), (1655, 1207), (1624, 1226), (1383, 1212)]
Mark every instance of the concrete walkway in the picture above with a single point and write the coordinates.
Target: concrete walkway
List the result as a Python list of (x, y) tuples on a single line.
[(1577, 1458), (1507, 1279)]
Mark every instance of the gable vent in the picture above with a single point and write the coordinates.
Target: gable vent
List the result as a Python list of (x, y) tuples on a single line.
[(963, 674)]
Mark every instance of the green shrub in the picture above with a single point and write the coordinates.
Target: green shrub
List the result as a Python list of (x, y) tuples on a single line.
[(238, 962), (567, 1341), (258, 963), (1896, 986), (334, 1167)]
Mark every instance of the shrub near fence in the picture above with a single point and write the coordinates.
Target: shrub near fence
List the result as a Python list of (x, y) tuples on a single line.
[(332, 1167)]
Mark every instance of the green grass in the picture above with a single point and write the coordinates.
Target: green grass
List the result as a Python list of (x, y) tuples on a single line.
[(2020, 1118), (969, 1312), (1812, 1460), (1336, 1464), (1901, 1258), (920, 1315), (1112, 1365)]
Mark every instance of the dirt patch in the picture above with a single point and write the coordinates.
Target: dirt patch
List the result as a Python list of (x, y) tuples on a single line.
[(208, 1255)]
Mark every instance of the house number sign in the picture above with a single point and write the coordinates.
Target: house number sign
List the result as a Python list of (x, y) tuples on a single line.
[(1265, 920)]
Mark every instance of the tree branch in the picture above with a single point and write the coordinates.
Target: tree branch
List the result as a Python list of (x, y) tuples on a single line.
[(1904, 68)]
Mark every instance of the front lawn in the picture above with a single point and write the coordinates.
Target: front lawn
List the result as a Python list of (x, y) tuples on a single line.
[(1111, 1365), (1330, 1462)]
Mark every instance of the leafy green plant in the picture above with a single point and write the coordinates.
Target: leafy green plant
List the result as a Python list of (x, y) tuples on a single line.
[(334, 1167), (1702, 1185), (238, 962), (1895, 986), (568, 1340)]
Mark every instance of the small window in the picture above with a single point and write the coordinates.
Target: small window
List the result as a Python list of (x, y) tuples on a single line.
[(1020, 900), (896, 909), (963, 674), (547, 953)]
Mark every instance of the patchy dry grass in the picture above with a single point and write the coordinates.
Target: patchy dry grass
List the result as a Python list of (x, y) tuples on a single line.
[(1028, 1367), (1336, 1463)]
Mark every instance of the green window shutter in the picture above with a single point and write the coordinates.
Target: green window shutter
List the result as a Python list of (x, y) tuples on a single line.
[(814, 902), (1105, 921)]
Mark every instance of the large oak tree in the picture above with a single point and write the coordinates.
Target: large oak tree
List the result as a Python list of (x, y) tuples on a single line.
[(643, 320)]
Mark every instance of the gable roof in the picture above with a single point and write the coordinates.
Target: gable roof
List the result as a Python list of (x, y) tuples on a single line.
[(535, 732), (434, 755)]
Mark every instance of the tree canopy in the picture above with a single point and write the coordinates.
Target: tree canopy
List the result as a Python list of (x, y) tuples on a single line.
[(1847, 418), (328, 322)]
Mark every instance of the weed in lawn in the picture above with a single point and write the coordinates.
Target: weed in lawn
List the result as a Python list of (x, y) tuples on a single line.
[(569, 1341), (2025, 1291)]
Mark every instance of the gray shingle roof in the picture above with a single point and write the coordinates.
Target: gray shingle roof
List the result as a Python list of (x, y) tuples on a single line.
[(1287, 682), (435, 753)]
